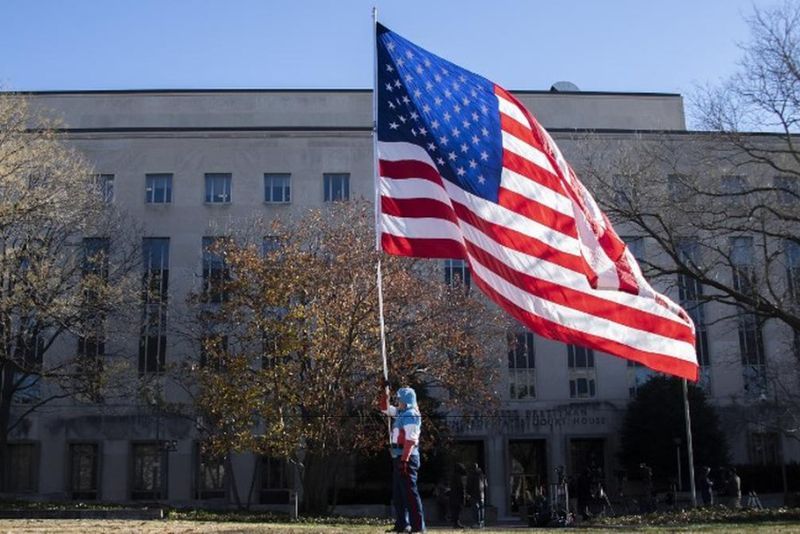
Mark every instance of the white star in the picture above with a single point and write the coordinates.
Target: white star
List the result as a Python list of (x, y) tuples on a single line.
[(465, 101), (389, 68), (409, 55), (465, 123), (446, 116), (390, 45), (413, 132), (431, 146), (426, 108), (485, 132), (388, 87), (393, 125), (443, 140), (391, 104), (462, 78), (481, 179), (440, 161), (409, 77), (475, 116), (437, 101), (456, 132), (457, 108), (484, 109), (437, 77), (414, 115), (445, 71), (402, 119), (428, 85), (400, 62), (475, 140), (460, 171), (474, 93), (456, 86), (427, 62), (406, 100), (447, 93), (417, 93), (452, 156), (464, 147), (419, 69), (484, 156), (397, 83), (434, 124), (423, 131), (472, 164)]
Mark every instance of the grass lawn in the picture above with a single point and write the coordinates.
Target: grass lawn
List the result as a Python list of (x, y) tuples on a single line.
[(77, 526)]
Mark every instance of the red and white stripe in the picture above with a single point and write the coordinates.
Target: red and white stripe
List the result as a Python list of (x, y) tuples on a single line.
[(545, 252)]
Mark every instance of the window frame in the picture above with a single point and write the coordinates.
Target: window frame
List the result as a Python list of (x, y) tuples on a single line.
[(152, 180), (212, 195), (329, 188), (270, 179)]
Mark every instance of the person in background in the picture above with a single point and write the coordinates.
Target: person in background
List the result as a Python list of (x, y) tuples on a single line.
[(706, 486), (476, 488), (406, 430), (458, 494)]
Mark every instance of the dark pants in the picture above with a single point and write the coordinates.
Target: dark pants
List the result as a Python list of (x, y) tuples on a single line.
[(407, 503), (480, 513)]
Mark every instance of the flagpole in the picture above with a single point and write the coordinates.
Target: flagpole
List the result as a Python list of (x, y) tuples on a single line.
[(378, 270), (689, 449)]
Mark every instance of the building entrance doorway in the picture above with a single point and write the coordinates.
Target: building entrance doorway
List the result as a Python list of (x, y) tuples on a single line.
[(527, 472)]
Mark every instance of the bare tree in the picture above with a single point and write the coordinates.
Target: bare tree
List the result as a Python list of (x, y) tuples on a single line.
[(720, 209), (65, 268)]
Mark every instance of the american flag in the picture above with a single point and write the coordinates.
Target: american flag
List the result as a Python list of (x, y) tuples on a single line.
[(466, 172)]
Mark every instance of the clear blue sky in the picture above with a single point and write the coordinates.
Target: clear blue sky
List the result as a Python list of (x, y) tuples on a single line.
[(600, 45)]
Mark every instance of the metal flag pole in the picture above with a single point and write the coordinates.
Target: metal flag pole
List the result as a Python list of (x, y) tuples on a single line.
[(689, 450), (378, 207), (377, 186)]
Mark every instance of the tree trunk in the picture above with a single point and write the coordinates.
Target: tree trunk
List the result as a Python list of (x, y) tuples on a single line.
[(232, 481)]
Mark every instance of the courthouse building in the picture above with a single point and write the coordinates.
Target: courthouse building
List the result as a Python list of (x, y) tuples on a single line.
[(186, 163)]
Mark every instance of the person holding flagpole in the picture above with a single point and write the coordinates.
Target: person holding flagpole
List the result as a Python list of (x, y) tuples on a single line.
[(404, 449)]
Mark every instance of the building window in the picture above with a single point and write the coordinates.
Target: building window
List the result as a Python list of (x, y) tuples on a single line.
[(104, 183), (155, 282), (277, 188), (22, 468), (734, 185), (690, 296), (787, 189), (751, 341), (792, 251), (211, 476), (270, 244), (218, 188), (148, 472), (456, 272), (337, 187), (763, 448), (678, 187), (275, 482), (636, 246), (158, 188), (215, 271), (582, 376), (84, 471), (213, 349), (521, 366)]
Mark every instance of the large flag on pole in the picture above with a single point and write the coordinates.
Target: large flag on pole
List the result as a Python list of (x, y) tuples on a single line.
[(465, 171)]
